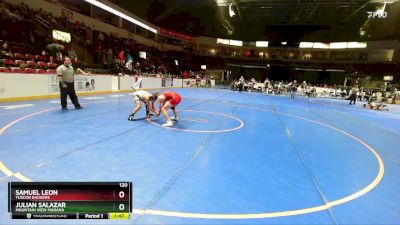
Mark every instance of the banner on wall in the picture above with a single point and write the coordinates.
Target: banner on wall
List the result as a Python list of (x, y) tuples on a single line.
[(53, 83), (82, 83), (177, 35), (85, 83)]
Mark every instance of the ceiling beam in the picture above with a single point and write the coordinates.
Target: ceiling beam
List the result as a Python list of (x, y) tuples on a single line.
[(312, 12), (237, 9), (355, 11)]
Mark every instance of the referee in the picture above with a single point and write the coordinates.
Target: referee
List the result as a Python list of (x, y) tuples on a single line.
[(65, 74)]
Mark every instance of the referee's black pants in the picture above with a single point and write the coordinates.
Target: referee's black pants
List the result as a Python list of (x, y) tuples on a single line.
[(240, 87), (353, 98), (69, 90)]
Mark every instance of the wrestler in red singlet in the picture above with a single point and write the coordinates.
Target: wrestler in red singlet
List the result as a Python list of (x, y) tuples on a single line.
[(172, 97), (169, 100)]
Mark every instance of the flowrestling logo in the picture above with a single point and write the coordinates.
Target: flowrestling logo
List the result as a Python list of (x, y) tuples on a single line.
[(377, 14), (380, 13)]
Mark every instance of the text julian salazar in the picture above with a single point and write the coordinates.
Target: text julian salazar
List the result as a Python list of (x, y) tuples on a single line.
[(40, 206)]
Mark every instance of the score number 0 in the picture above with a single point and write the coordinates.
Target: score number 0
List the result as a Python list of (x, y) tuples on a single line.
[(121, 194)]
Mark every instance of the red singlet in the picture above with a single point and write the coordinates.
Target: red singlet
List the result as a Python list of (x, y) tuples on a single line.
[(172, 97)]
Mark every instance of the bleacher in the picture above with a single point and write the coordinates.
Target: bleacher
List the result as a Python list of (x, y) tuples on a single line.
[(25, 60)]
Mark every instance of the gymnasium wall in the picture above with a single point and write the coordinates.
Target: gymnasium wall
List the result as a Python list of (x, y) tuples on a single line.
[(15, 86)]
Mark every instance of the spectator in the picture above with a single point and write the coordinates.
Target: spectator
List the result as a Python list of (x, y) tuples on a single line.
[(185, 75), (121, 56), (120, 62), (23, 8), (137, 67), (89, 35), (32, 37), (128, 56), (208, 81), (394, 95), (267, 83), (7, 14), (54, 49), (59, 56), (98, 51), (5, 51), (44, 54), (293, 89), (72, 54), (77, 26), (241, 83), (109, 58), (104, 58), (101, 36)]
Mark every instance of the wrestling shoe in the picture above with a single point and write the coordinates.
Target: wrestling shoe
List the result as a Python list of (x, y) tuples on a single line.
[(131, 117), (168, 124)]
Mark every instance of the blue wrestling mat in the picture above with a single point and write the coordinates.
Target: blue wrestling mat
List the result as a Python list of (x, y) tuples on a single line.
[(232, 158)]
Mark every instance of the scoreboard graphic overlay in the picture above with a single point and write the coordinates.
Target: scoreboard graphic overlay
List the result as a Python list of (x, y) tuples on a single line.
[(70, 200)]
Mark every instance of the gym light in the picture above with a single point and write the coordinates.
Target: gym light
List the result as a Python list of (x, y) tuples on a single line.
[(357, 45), (235, 43), (306, 44), (338, 45), (229, 42), (321, 45), (120, 14), (262, 43)]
